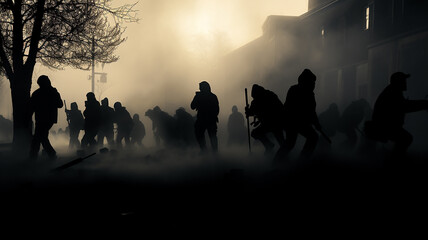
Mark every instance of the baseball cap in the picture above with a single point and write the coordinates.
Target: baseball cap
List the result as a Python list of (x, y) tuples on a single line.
[(399, 76)]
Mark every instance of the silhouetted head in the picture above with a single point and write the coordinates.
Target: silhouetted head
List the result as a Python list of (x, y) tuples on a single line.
[(90, 96), (399, 80), (363, 102), (149, 113), (156, 109), (136, 117), (234, 109), (180, 110), (44, 81), (204, 86), (257, 91), (307, 79), (117, 105), (104, 102), (74, 106)]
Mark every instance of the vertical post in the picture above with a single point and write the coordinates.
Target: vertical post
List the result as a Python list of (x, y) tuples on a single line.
[(248, 121), (93, 65)]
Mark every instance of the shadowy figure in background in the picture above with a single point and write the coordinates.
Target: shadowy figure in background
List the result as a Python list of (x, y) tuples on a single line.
[(138, 131), (185, 123), (150, 113), (124, 124), (6, 129), (389, 113), (206, 104), (350, 122), (236, 127), (76, 123), (329, 119), (300, 106), (163, 127), (106, 124), (268, 112), (92, 120), (44, 103)]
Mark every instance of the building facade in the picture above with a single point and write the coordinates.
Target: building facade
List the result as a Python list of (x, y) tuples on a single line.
[(353, 46)]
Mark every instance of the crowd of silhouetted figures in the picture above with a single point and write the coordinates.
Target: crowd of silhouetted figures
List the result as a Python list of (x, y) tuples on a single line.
[(102, 123), (271, 118), (116, 129)]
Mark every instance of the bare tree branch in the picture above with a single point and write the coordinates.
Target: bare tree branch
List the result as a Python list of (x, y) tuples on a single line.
[(60, 32)]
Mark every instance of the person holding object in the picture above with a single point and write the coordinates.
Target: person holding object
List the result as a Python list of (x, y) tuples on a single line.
[(206, 104), (268, 113), (300, 109)]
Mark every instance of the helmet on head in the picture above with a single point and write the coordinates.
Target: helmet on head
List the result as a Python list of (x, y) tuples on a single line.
[(234, 109)]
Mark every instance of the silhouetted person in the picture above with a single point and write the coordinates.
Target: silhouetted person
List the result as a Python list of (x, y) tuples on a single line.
[(300, 109), (124, 124), (106, 125), (269, 116), (44, 103), (206, 104), (389, 112), (150, 113), (351, 119), (92, 120), (185, 128), (76, 123), (164, 127), (236, 127), (329, 119), (67, 129), (138, 131)]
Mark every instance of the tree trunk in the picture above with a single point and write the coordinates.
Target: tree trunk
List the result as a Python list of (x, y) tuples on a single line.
[(22, 124)]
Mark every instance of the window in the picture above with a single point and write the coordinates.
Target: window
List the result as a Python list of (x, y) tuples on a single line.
[(367, 18)]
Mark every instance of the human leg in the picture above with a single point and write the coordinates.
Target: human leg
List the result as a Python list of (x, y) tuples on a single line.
[(311, 140), (45, 140), (200, 134), (260, 134), (212, 133)]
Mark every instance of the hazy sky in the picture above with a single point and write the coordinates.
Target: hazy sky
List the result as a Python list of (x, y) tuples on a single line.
[(168, 48)]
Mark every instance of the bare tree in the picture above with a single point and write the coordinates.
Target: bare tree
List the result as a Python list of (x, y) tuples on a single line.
[(56, 33)]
